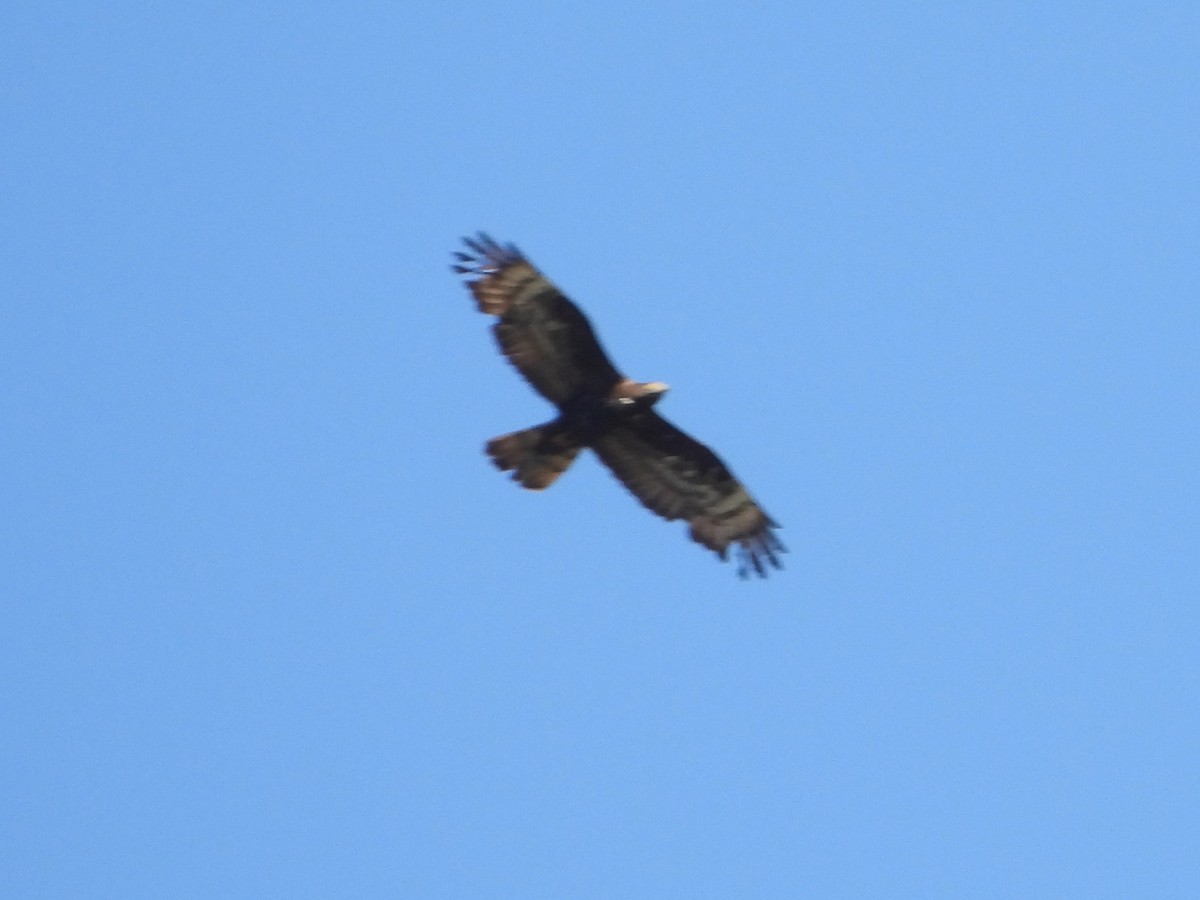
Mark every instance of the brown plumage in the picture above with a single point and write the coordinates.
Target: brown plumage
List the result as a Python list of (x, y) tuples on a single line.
[(551, 343)]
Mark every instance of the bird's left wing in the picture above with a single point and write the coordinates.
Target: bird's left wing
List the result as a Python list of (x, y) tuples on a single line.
[(677, 477)]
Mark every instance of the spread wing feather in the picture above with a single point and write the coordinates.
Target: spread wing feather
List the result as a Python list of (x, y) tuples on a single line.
[(677, 477), (543, 334)]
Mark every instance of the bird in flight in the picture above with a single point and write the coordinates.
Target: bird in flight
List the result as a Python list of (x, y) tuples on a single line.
[(552, 344)]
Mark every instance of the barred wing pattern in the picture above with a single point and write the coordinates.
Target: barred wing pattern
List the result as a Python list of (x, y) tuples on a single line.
[(543, 334), (677, 477)]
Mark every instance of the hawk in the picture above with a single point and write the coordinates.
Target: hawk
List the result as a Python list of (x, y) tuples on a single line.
[(552, 344)]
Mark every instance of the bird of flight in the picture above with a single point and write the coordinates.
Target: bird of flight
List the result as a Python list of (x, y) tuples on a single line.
[(550, 342)]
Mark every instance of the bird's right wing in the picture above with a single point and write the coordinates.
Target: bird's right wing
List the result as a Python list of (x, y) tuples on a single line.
[(543, 334)]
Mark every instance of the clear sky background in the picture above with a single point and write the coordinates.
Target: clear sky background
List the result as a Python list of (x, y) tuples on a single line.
[(925, 275)]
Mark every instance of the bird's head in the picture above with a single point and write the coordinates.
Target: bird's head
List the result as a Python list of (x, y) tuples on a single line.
[(631, 394), (651, 392)]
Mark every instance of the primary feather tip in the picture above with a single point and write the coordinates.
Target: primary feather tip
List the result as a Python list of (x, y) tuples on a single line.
[(487, 256), (754, 552)]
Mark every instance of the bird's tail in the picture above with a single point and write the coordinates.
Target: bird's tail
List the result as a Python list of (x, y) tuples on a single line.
[(535, 456)]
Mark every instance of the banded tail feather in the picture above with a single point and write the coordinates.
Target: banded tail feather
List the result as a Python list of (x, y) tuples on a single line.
[(535, 456)]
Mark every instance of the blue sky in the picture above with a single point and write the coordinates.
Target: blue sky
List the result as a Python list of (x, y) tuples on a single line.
[(925, 275)]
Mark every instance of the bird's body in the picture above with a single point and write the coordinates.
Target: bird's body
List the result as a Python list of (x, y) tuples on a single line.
[(550, 342)]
